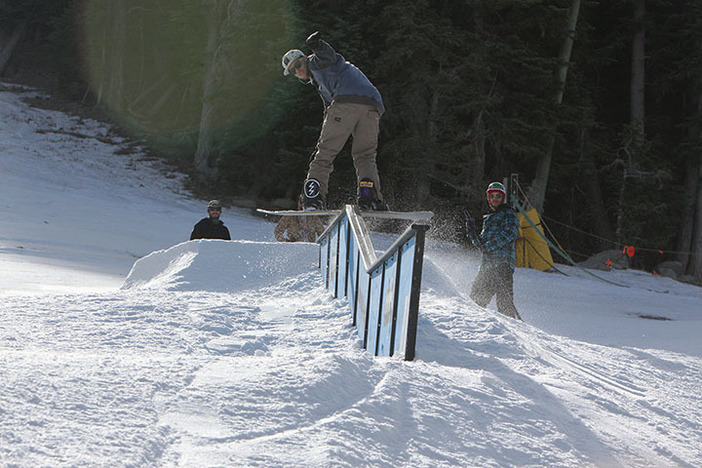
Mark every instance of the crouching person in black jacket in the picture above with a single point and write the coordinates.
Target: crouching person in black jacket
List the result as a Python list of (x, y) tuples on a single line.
[(211, 227)]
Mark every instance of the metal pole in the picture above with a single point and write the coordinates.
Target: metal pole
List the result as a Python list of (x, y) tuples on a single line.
[(398, 270), (380, 311), (413, 318)]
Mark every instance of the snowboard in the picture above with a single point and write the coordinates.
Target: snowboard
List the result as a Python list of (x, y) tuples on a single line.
[(411, 215)]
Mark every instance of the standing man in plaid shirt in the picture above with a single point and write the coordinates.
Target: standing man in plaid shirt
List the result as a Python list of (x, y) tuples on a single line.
[(496, 242)]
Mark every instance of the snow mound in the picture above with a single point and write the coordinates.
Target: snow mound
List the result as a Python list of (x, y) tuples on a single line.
[(435, 280), (222, 266)]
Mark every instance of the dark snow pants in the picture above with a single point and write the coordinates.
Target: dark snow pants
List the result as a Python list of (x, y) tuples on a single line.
[(495, 281)]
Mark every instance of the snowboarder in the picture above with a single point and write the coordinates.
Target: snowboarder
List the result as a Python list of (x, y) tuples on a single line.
[(211, 227), (352, 107), (496, 242)]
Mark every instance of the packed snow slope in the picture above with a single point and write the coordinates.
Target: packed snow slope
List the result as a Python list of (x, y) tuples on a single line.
[(123, 344)]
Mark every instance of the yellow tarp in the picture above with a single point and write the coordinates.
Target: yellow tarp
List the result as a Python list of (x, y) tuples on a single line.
[(532, 251)]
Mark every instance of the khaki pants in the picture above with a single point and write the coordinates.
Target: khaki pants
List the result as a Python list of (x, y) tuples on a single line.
[(343, 119)]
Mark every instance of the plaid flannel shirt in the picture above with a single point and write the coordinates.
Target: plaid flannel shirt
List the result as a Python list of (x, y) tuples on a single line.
[(496, 240)]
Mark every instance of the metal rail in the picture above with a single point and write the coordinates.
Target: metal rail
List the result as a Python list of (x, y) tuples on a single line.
[(383, 292)]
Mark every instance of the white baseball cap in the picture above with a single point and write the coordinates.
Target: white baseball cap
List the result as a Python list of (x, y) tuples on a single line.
[(289, 58)]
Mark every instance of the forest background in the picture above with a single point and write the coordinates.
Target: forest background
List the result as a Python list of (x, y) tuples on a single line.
[(597, 105)]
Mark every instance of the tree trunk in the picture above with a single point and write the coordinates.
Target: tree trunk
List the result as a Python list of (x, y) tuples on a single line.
[(205, 158), (695, 265), (479, 166), (428, 163), (689, 240), (475, 177), (687, 222), (635, 143), (118, 20), (638, 73), (537, 191), (9, 48), (595, 201)]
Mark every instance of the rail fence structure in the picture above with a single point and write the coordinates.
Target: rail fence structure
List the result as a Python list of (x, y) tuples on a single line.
[(382, 292)]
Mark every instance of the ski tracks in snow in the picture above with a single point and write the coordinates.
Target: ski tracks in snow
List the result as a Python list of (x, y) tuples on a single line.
[(621, 387), (614, 391), (275, 377)]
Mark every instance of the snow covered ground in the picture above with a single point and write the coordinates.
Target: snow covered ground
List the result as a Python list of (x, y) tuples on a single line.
[(215, 353)]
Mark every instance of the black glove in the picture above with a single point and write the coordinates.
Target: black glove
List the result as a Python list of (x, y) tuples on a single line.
[(471, 230), (313, 40)]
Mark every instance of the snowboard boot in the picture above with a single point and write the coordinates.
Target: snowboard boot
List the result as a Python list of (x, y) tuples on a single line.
[(368, 198), (312, 199)]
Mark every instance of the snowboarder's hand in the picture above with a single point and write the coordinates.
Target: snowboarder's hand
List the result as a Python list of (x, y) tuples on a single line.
[(470, 221), (313, 40), (471, 231)]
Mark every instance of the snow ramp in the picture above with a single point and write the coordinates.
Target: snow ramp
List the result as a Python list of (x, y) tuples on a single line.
[(222, 266)]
